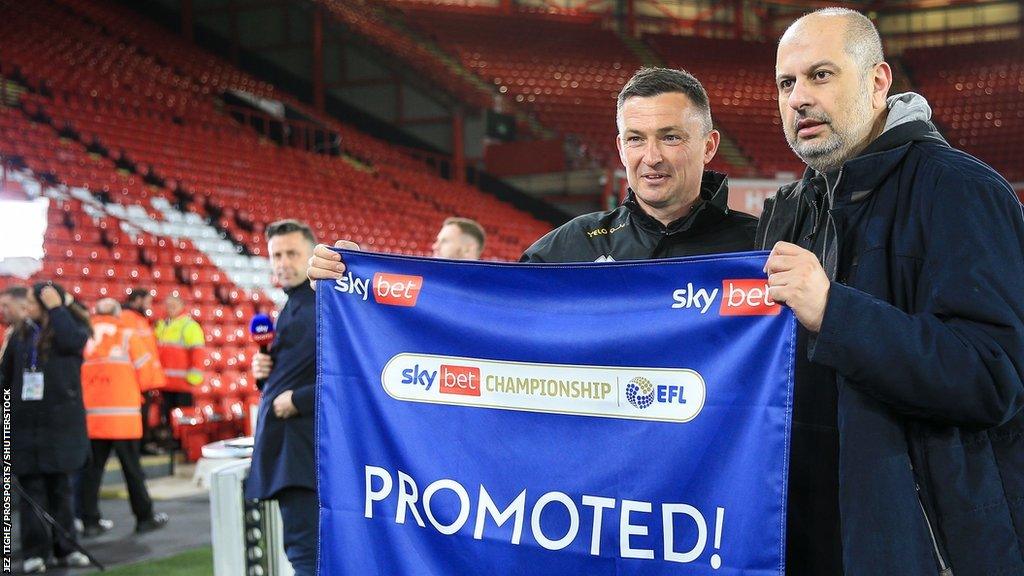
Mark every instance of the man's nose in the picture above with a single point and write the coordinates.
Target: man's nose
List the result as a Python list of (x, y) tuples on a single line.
[(652, 152), (800, 96)]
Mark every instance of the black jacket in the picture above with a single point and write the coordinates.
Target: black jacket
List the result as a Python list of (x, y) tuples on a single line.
[(628, 233), (283, 451), (924, 330), (48, 435)]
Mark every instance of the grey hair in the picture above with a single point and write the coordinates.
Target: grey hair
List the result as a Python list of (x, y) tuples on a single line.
[(108, 307), (862, 40)]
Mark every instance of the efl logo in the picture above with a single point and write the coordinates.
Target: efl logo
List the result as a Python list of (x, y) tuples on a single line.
[(642, 394), (747, 298), (463, 380), (396, 289)]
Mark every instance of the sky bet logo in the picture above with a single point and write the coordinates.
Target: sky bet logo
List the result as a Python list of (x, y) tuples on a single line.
[(742, 297), (462, 380), (390, 289)]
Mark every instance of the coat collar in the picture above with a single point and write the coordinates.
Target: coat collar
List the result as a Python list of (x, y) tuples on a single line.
[(714, 196), (861, 175)]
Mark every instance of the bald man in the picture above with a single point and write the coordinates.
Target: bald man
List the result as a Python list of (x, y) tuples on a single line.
[(902, 259)]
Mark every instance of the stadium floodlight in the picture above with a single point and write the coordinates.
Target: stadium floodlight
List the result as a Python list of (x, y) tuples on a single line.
[(24, 228)]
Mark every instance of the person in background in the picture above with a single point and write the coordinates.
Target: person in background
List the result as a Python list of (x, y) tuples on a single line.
[(112, 381), (13, 301), (459, 239), (42, 369), (135, 314), (182, 347)]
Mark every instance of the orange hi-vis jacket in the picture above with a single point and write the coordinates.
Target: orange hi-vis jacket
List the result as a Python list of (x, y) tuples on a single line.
[(182, 353), (110, 380), (151, 375)]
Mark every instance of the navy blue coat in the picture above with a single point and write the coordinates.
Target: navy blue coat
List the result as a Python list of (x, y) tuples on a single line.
[(925, 329), (283, 452)]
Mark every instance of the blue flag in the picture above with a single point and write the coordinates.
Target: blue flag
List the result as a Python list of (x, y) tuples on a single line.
[(599, 419)]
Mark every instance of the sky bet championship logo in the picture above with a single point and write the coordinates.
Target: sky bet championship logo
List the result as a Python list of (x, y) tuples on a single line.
[(664, 394), (388, 289)]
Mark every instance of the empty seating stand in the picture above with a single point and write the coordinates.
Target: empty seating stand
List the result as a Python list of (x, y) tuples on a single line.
[(977, 96), (129, 116)]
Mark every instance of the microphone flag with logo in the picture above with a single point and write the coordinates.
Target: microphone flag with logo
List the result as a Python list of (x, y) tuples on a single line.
[(614, 418), (261, 330)]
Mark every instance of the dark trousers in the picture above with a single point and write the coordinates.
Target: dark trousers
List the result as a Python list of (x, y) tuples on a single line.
[(300, 517), (128, 454), (53, 493)]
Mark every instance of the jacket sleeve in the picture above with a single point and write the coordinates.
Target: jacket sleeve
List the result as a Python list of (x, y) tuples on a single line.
[(959, 359), (142, 361), (538, 251), (69, 336), (304, 398), (563, 244), (195, 342)]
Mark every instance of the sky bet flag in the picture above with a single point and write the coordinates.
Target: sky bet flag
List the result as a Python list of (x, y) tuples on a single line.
[(595, 419)]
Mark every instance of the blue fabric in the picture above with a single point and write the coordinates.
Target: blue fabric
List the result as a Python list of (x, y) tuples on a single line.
[(283, 451), (389, 411)]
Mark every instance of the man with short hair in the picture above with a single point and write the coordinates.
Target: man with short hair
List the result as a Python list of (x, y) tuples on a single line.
[(111, 391), (282, 459), (674, 206), (459, 239), (902, 259)]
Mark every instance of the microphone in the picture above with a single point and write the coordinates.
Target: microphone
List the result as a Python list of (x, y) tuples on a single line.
[(261, 330)]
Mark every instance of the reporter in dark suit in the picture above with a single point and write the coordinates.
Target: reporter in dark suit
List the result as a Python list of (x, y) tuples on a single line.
[(282, 461)]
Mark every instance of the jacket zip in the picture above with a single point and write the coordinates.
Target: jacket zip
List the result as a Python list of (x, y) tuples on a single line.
[(943, 569)]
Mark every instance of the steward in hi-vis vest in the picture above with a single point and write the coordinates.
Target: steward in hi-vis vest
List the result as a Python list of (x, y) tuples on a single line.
[(115, 359), (182, 352), (151, 376), (111, 389)]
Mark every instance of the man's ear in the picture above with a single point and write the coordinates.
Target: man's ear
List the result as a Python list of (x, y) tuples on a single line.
[(711, 145), (881, 83)]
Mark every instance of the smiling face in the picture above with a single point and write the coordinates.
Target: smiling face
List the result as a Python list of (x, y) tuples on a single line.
[(832, 105), (664, 145)]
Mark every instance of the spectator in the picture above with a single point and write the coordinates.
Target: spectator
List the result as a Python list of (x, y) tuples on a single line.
[(115, 360), (182, 346), (42, 368), (459, 239), (135, 316), (13, 302)]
